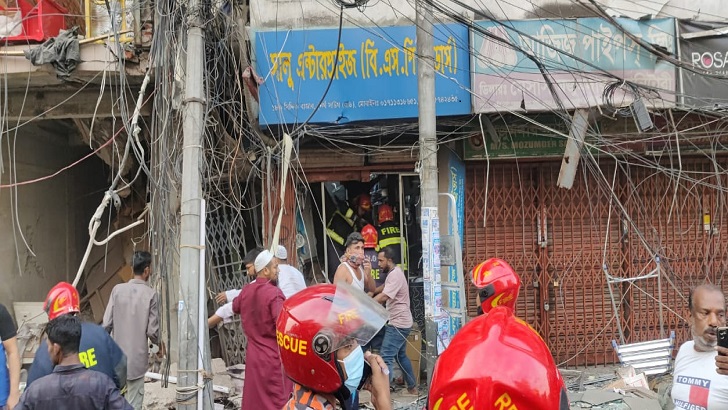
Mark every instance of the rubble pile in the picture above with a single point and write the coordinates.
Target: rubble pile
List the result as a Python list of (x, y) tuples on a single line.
[(620, 388)]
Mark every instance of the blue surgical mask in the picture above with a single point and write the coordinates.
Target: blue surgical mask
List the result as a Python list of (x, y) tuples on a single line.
[(354, 364)]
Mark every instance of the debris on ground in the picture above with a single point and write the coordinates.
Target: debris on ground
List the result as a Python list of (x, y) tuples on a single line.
[(602, 388), (400, 400), (617, 388), (662, 385), (611, 400), (157, 397)]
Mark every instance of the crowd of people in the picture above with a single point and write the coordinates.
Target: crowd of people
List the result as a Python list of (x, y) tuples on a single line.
[(269, 383), (81, 365), (318, 347)]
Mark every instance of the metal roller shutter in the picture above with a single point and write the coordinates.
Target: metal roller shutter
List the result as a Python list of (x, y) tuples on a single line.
[(557, 240)]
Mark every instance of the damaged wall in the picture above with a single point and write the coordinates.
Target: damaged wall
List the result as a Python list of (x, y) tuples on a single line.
[(53, 214)]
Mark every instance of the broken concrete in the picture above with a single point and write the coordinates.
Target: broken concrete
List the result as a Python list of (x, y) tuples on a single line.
[(602, 399), (157, 397)]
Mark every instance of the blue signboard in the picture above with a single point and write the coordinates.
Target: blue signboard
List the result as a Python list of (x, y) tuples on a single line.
[(456, 187), (575, 52), (374, 74)]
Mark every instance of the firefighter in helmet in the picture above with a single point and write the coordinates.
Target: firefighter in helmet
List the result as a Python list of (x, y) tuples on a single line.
[(369, 233), (320, 331), (390, 234), (97, 351), (341, 224), (520, 371), (371, 244), (363, 205), (497, 283)]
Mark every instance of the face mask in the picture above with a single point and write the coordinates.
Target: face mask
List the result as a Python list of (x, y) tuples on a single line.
[(354, 364), (354, 259)]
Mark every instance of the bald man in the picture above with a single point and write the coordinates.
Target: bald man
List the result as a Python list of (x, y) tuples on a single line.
[(697, 383)]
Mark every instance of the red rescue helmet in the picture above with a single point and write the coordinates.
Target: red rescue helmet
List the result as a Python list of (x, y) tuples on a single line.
[(315, 323), (520, 371), (497, 283), (369, 232), (62, 299), (364, 201), (385, 213)]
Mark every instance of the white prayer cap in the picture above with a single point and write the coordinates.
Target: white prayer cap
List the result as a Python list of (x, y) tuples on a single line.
[(263, 260), (281, 252)]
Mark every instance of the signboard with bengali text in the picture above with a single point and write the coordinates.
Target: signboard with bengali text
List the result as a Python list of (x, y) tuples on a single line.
[(374, 74), (575, 54)]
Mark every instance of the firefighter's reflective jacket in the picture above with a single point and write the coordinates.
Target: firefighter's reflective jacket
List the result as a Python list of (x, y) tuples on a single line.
[(391, 235), (340, 226)]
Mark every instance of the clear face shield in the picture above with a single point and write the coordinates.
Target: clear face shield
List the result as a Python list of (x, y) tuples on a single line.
[(353, 316)]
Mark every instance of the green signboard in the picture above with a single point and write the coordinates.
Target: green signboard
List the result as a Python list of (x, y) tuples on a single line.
[(515, 143)]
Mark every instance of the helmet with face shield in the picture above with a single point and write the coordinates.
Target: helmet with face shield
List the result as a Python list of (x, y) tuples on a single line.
[(318, 321)]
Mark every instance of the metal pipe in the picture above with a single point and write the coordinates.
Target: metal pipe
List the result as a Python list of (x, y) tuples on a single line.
[(201, 312), (659, 296), (614, 304)]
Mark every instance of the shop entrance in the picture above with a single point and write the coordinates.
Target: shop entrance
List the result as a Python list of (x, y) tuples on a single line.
[(369, 203), (390, 203)]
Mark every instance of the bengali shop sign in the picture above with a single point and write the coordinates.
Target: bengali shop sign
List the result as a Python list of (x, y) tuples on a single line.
[(374, 75), (573, 53)]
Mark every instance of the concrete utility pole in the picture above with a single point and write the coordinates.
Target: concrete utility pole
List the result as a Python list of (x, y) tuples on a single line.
[(428, 144), (193, 126)]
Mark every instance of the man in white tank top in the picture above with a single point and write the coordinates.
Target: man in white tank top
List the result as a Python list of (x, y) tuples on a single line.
[(355, 269)]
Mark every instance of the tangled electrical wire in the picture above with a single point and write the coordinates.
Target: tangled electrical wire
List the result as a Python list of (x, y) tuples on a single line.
[(628, 89), (238, 156), (355, 4)]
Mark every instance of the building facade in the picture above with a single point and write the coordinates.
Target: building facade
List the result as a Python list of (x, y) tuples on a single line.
[(608, 241)]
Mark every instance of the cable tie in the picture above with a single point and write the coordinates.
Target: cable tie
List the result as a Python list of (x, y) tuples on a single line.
[(194, 99)]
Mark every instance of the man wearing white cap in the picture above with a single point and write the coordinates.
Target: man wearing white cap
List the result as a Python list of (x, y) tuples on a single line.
[(225, 312), (290, 279), (266, 385)]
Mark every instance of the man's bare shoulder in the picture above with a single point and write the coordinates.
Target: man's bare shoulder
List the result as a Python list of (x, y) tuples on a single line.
[(342, 274)]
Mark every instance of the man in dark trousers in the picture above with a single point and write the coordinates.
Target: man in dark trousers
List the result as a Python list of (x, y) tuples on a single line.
[(397, 300), (98, 351), (71, 386)]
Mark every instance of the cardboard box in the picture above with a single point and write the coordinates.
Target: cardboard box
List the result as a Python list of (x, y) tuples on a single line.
[(414, 351)]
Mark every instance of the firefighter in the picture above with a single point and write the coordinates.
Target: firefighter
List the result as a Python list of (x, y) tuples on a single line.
[(390, 234), (98, 351), (320, 331), (363, 205), (497, 283), (340, 225), (369, 233), (520, 371)]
